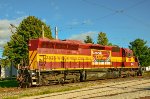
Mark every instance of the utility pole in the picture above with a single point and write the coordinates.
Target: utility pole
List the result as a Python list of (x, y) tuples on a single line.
[(11, 69), (0, 68), (11, 66), (42, 31), (56, 33)]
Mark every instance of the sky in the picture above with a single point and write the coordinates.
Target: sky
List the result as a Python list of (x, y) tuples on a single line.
[(122, 20)]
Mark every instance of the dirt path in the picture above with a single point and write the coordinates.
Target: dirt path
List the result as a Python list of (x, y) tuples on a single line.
[(129, 89)]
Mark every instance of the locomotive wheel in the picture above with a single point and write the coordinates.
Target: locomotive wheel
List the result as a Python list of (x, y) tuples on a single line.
[(82, 76), (61, 81), (139, 72), (44, 80), (25, 84)]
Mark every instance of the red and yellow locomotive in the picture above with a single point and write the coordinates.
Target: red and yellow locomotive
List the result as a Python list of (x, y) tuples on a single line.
[(51, 60)]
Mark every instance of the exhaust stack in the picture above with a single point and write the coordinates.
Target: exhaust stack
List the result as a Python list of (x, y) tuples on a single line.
[(42, 31), (56, 33)]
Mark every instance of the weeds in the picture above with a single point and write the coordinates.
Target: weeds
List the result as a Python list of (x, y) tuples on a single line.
[(41, 91)]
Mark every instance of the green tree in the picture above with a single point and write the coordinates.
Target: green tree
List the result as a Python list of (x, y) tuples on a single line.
[(4, 62), (141, 51), (88, 40), (110, 44), (102, 39), (16, 49)]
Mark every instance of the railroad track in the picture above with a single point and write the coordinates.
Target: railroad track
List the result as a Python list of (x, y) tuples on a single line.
[(106, 90)]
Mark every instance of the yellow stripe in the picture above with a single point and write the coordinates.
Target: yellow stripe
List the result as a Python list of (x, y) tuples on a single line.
[(130, 59), (90, 68), (59, 69), (117, 59), (122, 59), (34, 58)]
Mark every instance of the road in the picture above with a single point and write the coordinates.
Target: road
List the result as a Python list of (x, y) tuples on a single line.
[(130, 89)]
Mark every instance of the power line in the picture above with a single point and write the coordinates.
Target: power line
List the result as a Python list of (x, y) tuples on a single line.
[(120, 11), (111, 9), (82, 23), (99, 5), (114, 12), (137, 20), (135, 5), (105, 16)]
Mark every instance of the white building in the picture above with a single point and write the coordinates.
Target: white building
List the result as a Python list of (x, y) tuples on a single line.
[(6, 71), (147, 68)]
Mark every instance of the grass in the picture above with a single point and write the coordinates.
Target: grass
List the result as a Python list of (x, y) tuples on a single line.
[(42, 91), (8, 83), (47, 91), (8, 89), (146, 74)]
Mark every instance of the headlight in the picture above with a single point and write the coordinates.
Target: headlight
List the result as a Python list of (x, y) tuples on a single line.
[(33, 73)]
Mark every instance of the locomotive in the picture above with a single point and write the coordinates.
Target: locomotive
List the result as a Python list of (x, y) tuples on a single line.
[(59, 60)]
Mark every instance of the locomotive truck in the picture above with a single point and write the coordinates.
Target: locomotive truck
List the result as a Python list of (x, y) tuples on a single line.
[(59, 60)]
